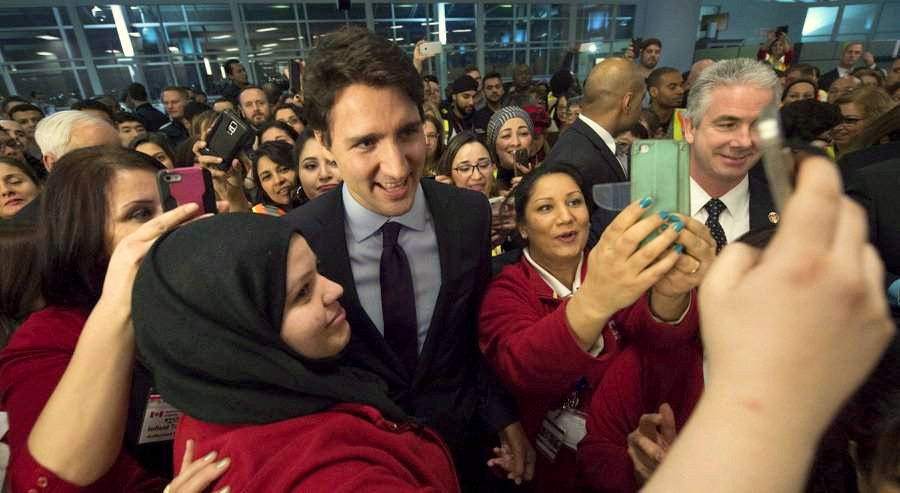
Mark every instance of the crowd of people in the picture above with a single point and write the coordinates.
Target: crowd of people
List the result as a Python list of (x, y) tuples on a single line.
[(410, 288)]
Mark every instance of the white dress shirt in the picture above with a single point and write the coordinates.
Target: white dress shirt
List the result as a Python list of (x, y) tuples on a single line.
[(735, 219), (606, 137)]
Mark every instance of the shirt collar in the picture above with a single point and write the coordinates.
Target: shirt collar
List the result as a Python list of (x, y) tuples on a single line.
[(364, 222), (604, 135), (735, 199), (559, 289)]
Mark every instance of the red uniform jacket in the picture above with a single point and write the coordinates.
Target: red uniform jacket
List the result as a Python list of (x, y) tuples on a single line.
[(637, 382), (30, 367), (524, 334), (349, 448)]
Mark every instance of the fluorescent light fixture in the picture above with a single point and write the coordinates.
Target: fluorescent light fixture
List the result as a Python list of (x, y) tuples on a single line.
[(281, 6), (119, 60), (45, 53), (287, 39), (173, 49), (506, 6), (207, 66), (442, 23), (392, 27), (269, 45), (464, 31), (232, 49), (266, 29), (122, 30), (221, 36), (395, 39), (47, 37), (135, 35), (222, 71), (430, 23)]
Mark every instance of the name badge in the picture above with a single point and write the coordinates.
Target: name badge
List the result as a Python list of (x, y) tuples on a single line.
[(160, 420), (562, 427)]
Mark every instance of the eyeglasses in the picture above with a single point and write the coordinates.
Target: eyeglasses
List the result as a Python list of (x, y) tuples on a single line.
[(483, 165)]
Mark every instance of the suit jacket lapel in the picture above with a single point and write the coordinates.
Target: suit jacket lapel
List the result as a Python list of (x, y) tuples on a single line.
[(608, 157), (762, 207)]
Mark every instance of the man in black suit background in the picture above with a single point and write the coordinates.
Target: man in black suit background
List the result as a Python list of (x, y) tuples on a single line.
[(725, 102), (364, 102), (611, 105)]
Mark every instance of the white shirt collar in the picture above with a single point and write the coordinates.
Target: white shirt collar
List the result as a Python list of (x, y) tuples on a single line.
[(559, 289), (604, 135), (736, 200)]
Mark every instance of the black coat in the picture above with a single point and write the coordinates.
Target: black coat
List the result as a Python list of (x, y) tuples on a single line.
[(580, 146), (452, 388), (828, 78), (850, 163), (876, 188)]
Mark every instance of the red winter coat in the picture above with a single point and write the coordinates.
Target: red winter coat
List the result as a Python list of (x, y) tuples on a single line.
[(349, 448), (637, 382), (30, 367), (524, 334)]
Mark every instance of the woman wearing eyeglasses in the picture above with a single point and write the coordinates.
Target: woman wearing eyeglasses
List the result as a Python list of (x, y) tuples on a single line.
[(857, 109), (467, 164)]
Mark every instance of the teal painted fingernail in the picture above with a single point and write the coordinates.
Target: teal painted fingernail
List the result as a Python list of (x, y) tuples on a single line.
[(663, 227), (645, 202), (678, 227), (679, 249), (664, 215)]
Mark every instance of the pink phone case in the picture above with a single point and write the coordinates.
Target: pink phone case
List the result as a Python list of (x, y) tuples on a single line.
[(183, 185)]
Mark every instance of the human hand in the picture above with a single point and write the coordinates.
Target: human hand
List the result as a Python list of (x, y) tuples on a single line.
[(196, 475), (515, 455), (688, 272), (650, 441), (418, 56), (868, 58), (816, 290), (128, 254), (619, 269), (502, 224), (227, 184), (629, 52), (513, 182), (443, 179)]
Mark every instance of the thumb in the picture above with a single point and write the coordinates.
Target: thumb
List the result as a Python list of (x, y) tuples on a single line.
[(667, 425), (728, 270)]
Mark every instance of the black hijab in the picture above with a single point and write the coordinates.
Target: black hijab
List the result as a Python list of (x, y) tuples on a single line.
[(207, 306)]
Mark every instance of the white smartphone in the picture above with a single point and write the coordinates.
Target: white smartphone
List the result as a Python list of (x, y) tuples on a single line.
[(431, 48)]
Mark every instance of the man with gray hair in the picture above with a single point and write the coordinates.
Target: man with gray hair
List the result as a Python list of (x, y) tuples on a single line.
[(725, 101), (66, 131)]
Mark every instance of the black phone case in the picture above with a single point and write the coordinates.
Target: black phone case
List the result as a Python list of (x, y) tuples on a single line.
[(226, 137), (294, 72), (195, 186)]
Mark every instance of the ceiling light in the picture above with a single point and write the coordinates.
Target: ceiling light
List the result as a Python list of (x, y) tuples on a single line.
[(221, 36), (45, 53), (461, 30), (135, 35), (396, 27), (281, 6), (47, 37), (287, 39), (430, 23), (232, 49), (269, 45), (173, 49), (395, 39), (266, 29)]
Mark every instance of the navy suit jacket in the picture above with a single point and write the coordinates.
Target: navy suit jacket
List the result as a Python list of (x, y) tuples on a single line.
[(452, 388), (580, 146)]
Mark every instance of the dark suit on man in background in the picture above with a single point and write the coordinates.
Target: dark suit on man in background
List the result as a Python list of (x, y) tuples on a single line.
[(581, 147), (452, 388)]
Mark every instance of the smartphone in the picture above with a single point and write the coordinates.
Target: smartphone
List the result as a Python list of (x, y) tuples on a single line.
[(522, 159), (227, 135), (183, 185), (431, 48), (496, 205), (661, 169), (295, 76), (778, 164)]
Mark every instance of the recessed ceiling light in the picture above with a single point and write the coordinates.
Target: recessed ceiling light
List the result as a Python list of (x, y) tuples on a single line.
[(462, 30), (232, 49), (269, 45), (287, 39), (396, 27), (266, 29), (45, 53), (47, 37), (221, 36)]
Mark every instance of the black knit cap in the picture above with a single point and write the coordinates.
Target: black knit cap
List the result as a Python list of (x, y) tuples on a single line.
[(464, 83)]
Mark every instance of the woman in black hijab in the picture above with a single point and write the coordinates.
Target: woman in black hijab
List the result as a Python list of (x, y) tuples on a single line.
[(242, 336)]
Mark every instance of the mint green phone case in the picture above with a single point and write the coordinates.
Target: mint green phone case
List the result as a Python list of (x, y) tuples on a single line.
[(661, 169)]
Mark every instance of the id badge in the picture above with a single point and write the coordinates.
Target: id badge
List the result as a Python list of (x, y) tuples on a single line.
[(574, 426), (160, 420), (551, 437)]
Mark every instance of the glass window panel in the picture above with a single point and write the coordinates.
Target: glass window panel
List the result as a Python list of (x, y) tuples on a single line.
[(461, 31), (625, 21), (498, 33), (408, 32), (559, 31), (547, 10), (539, 61), (520, 57), (58, 87), (186, 75), (498, 10), (319, 29), (142, 14), (381, 10), (25, 45), (95, 14), (269, 35), (455, 10), (540, 31), (213, 37), (521, 32), (209, 12), (114, 78), (324, 11), (890, 18), (556, 58), (594, 21), (157, 77), (499, 61), (171, 13), (819, 21), (263, 12), (858, 19), (29, 16), (460, 57), (357, 11), (103, 42), (410, 11)]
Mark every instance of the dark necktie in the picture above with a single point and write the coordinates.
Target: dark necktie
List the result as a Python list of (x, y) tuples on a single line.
[(715, 207), (398, 301)]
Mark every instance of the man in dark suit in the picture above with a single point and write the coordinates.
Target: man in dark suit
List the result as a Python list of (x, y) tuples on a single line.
[(137, 99), (853, 52), (611, 105), (875, 187), (385, 233), (724, 104)]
